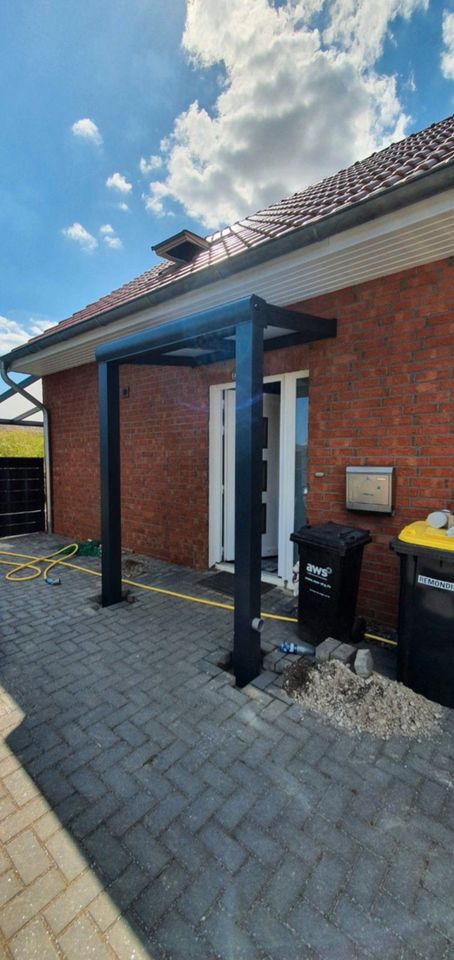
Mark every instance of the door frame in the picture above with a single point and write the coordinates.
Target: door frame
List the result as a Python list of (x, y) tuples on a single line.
[(287, 426)]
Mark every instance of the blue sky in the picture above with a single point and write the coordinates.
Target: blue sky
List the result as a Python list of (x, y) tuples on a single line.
[(238, 102)]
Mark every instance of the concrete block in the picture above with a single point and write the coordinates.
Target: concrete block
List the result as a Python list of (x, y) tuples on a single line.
[(325, 650), (344, 652), (364, 664)]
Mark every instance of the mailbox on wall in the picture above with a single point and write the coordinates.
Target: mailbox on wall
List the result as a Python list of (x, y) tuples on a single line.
[(370, 488)]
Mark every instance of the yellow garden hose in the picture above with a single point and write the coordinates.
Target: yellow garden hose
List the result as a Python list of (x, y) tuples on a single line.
[(63, 556), (52, 559)]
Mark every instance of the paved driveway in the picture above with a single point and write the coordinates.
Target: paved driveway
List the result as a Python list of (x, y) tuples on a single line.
[(148, 809)]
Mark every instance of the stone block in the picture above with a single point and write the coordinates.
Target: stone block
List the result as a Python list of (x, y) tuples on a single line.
[(325, 650), (344, 652), (364, 664)]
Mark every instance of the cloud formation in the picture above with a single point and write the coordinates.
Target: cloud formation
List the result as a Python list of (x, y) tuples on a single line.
[(447, 56), (153, 163), (78, 234), (300, 99), (12, 334), (88, 130), (113, 242), (110, 237), (118, 182)]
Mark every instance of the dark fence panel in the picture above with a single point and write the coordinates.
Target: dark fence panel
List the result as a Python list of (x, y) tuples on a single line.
[(21, 495)]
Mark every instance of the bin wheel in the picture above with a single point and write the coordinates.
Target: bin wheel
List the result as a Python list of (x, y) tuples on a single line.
[(358, 630)]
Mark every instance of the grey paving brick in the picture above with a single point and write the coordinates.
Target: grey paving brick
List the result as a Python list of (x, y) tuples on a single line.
[(20, 819), (243, 888), (261, 844), (181, 941), (406, 875), (328, 942), (421, 938), (121, 783), (67, 855), (435, 912), (28, 856), (76, 897), (88, 784), (200, 810), (127, 814), (93, 815), (20, 787), (365, 931), (30, 902), (107, 852), (129, 732), (286, 885), (223, 847), (199, 895), (127, 887), (229, 940), (145, 850), (365, 878), (82, 939), (326, 882), (160, 895), (33, 943), (126, 944), (9, 886)]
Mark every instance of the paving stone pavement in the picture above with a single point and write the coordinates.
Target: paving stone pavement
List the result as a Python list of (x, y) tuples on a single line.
[(149, 809)]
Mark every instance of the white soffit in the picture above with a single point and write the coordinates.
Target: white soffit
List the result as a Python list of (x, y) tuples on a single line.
[(420, 233)]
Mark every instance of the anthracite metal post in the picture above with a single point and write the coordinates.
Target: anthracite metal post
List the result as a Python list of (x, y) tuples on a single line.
[(109, 423), (248, 498)]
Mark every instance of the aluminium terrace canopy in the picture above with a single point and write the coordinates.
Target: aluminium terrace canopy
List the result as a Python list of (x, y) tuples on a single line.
[(242, 329)]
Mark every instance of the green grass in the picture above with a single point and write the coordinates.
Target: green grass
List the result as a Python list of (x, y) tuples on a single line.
[(21, 442)]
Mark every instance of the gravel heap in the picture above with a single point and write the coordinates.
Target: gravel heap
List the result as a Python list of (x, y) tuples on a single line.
[(378, 706)]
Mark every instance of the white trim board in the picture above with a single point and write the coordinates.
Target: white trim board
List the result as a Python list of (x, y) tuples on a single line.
[(417, 234)]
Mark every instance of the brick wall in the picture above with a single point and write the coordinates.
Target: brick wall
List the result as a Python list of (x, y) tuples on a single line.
[(381, 393)]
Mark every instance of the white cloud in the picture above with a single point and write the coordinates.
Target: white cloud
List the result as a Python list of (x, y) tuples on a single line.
[(110, 237), (122, 205), (12, 334), (80, 235), (153, 199), (147, 166), (87, 129), (297, 103), (447, 56), (118, 182), (113, 242)]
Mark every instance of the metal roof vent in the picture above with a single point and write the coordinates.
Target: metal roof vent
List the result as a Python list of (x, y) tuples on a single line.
[(182, 247)]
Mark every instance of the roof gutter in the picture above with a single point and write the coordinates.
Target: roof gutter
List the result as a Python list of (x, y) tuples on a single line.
[(17, 388), (394, 198)]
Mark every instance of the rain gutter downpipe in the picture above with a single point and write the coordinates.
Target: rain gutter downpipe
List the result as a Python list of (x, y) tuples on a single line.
[(36, 403)]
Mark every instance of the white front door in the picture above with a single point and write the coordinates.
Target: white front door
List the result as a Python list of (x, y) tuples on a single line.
[(270, 475)]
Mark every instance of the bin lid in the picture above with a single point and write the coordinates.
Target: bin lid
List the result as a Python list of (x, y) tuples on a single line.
[(333, 536), (421, 534)]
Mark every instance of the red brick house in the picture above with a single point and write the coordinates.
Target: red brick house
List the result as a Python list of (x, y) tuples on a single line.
[(372, 247)]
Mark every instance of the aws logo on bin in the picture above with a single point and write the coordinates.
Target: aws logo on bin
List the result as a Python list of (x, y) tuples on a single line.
[(322, 572)]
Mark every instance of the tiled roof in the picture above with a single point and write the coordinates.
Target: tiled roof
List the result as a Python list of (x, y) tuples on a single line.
[(397, 164)]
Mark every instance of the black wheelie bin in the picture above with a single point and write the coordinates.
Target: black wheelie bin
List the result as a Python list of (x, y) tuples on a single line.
[(330, 556), (425, 652)]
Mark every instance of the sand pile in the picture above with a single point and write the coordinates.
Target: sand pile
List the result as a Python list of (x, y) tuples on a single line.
[(378, 706)]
